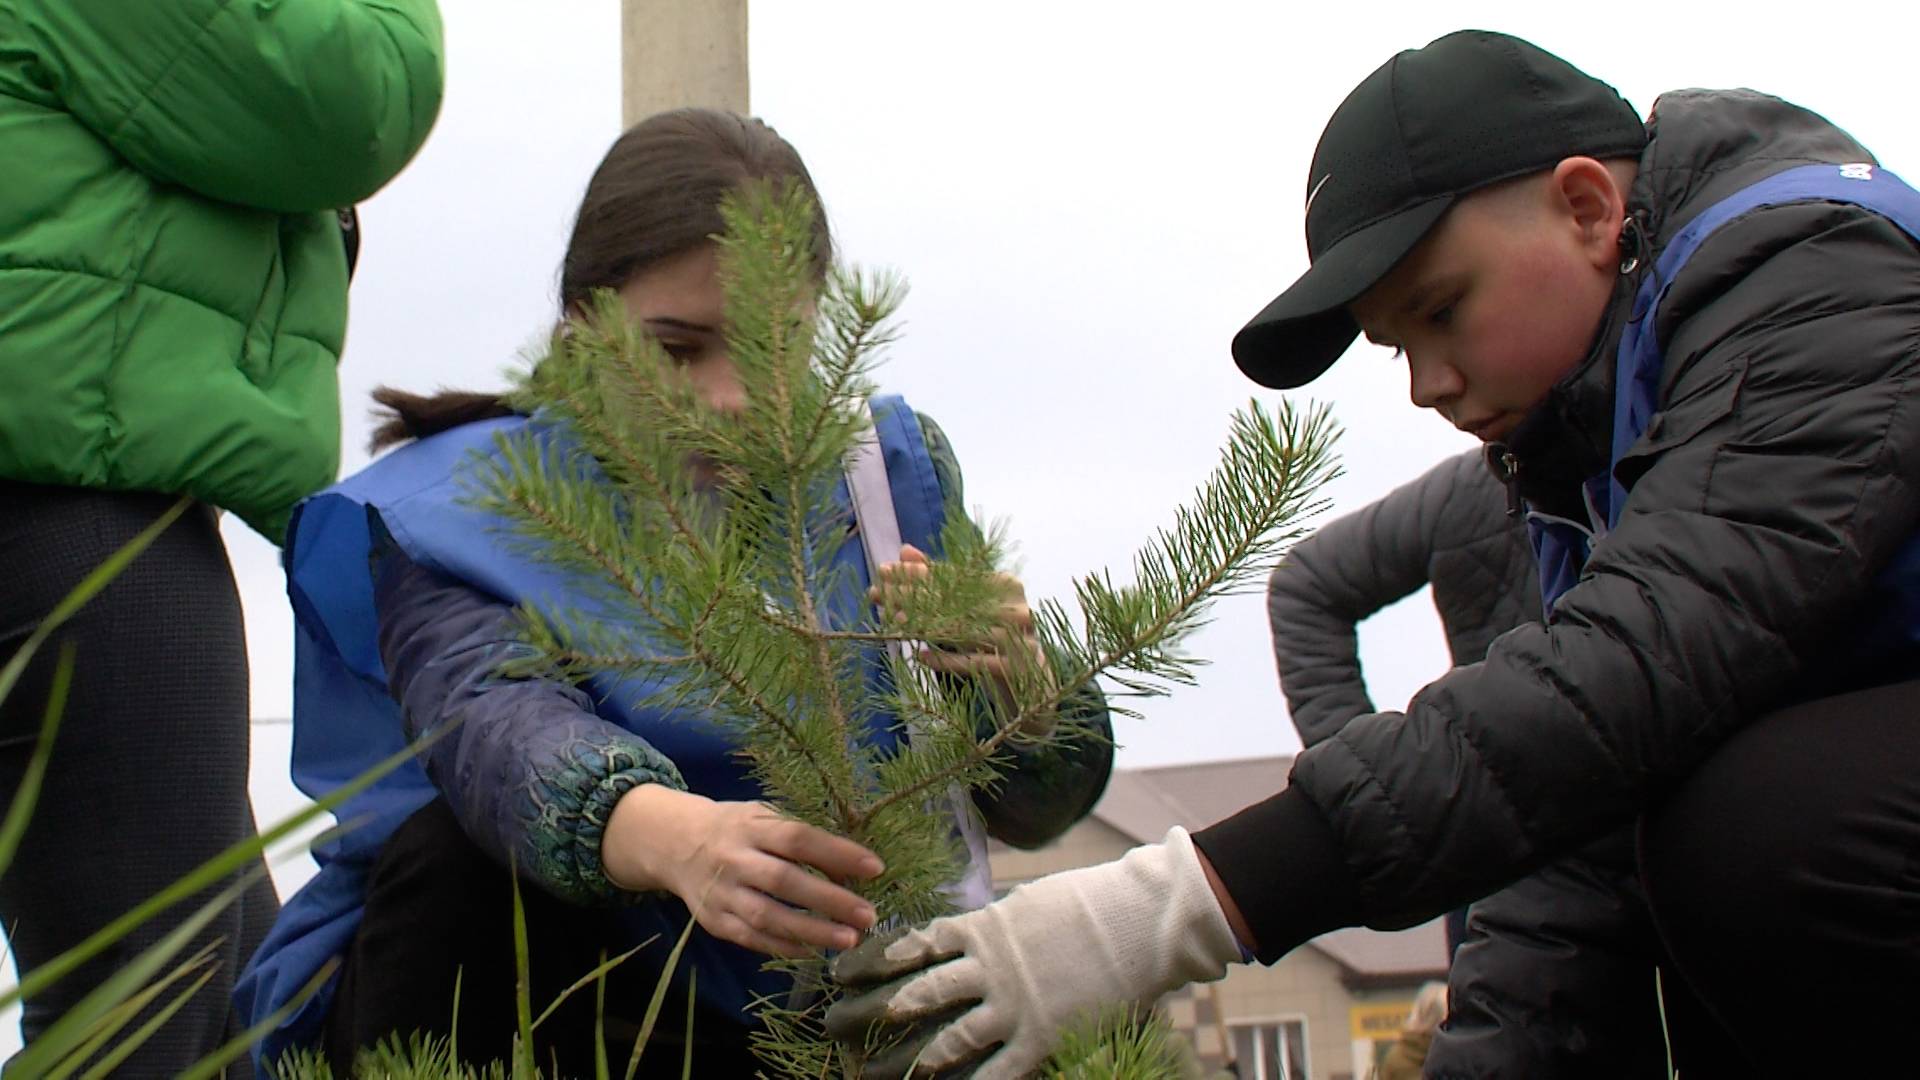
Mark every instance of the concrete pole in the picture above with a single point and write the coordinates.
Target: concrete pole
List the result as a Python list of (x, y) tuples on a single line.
[(682, 52)]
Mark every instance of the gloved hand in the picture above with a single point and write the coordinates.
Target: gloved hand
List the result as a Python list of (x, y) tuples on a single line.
[(1051, 953)]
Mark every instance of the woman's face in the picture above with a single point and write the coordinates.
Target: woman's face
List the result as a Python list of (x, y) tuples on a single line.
[(679, 301)]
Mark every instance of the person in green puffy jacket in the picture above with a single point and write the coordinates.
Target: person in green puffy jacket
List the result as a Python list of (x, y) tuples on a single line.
[(173, 302)]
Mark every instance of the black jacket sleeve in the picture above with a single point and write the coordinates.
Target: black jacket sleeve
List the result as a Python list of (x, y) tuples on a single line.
[(1775, 483), (1345, 572), (530, 771)]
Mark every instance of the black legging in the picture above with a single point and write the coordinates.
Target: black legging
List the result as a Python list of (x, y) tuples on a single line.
[(1777, 890), (149, 772), (1784, 879), (438, 906)]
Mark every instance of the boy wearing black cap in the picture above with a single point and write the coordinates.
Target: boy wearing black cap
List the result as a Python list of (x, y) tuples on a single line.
[(1694, 349)]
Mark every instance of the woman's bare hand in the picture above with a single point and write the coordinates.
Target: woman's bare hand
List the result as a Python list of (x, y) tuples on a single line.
[(741, 868)]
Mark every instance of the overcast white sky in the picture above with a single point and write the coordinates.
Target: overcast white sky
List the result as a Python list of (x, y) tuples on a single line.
[(1089, 199)]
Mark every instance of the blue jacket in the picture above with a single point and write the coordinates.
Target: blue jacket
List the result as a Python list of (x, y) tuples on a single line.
[(403, 599)]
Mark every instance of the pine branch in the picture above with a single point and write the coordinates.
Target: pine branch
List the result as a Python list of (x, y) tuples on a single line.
[(1256, 490), (644, 598), (855, 336), (602, 560), (843, 805), (664, 494), (590, 661), (983, 752), (739, 601), (764, 276), (1271, 469), (952, 630), (638, 367)]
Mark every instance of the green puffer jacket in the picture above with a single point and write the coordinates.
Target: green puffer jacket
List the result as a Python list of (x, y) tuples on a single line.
[(173, 286)]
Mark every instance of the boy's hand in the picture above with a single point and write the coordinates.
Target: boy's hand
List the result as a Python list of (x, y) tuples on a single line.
[(741, 868), (1014, 650), (995, 987)]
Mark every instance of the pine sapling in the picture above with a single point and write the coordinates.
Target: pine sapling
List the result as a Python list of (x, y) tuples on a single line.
[(705, 551)]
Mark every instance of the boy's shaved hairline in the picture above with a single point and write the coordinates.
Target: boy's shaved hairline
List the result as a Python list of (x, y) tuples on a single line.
[(1507, 197), (1508, 201)]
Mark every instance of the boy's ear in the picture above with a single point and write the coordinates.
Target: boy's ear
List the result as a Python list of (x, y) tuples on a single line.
[(1594, 206)]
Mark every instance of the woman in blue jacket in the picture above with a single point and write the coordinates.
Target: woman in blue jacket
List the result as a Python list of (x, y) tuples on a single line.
[(622, 817)]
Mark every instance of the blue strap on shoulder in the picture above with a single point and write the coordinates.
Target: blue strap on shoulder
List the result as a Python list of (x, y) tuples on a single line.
[(1640, 361)]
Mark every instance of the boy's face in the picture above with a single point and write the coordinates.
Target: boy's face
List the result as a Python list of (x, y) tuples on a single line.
[(1499, 302)]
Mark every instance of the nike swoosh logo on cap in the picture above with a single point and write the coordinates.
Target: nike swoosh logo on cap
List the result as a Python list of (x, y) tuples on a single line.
[(1315, 193)]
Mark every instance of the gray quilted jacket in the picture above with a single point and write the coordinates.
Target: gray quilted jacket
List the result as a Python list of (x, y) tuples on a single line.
[(1448, 528)]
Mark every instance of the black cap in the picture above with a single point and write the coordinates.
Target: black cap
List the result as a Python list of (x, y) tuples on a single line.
[(1471, 109)]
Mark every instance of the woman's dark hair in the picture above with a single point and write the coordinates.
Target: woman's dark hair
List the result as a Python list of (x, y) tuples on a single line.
[(656, 194)]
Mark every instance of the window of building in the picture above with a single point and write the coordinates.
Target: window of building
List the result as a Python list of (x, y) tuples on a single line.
[(1274, 1050)]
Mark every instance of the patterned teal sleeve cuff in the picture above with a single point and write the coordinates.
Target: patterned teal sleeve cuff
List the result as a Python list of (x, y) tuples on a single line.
[(572, 804)]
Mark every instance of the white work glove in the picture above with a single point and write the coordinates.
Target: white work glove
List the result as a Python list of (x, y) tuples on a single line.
[(1047, 956)]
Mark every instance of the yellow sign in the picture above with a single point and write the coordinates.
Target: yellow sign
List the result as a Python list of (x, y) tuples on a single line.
[(1380, 1020)]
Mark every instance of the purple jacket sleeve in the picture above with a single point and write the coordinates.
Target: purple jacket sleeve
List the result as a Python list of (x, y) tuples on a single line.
[(531, 773)]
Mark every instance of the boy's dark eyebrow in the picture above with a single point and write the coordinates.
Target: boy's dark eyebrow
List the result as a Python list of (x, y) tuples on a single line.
[(1421, 296)]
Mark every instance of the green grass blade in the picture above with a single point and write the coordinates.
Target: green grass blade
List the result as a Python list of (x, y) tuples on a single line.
[(1666, 1036), (72, 1029), (88, 588), (601, 1069), (659, 998), (216, 1063), (20, 812), (525, 1067), (596, 975), (453, 1030), (207, 874), (686, 1058), (125, 1047), (123, 1014)]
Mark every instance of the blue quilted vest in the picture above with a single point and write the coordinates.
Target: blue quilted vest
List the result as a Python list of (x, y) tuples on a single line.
[(345, 720), (1889, 627)]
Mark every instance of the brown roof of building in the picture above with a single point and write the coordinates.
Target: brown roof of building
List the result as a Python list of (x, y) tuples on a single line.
[(1416, 953), (1144, 803)]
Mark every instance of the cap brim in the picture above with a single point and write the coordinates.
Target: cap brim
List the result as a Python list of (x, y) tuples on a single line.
[(1299, 336)]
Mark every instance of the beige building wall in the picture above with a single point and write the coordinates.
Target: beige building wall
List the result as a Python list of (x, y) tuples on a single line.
[(682, 52), (1305, 984)]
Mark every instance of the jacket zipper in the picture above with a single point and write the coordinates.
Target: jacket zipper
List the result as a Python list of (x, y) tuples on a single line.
[(1506, 468)]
